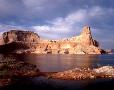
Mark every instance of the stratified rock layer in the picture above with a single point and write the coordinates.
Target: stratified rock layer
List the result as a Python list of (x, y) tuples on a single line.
[(82, 44), (21, 36)]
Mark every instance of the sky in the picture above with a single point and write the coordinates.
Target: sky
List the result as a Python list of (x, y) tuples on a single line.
[(57, 19)]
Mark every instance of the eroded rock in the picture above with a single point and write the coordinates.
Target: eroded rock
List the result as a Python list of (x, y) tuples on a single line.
[(10, 69), (84, 73), (82, 44), (108, 70), (21, 36)]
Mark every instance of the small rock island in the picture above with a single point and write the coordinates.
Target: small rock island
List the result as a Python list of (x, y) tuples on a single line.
[(17, 41)]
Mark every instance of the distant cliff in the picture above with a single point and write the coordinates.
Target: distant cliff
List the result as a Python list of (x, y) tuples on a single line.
[(17, 40), (21, 36), (26, 41), (82, 44)]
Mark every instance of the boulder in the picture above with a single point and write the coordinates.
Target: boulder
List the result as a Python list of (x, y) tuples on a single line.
[(108, 70)]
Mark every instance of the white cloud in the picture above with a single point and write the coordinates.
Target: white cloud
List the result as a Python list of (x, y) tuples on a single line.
[(4, 28), (78, 16), (71, 24), (96, 11), (63, 26)]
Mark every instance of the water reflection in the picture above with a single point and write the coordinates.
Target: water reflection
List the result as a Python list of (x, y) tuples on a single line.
[(7, 57), (54, 63)]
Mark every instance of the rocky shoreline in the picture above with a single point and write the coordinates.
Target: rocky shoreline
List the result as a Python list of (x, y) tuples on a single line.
[(10, 70), (84, 73)]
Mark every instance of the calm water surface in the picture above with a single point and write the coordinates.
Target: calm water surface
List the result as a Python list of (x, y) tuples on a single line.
[(54, 63)]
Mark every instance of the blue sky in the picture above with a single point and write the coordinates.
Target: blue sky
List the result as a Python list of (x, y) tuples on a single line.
[(56, 19)]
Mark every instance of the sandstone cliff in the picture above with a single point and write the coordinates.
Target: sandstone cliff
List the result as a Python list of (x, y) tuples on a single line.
[(1, 40), (21, 36), (18, 41), (82, 44)]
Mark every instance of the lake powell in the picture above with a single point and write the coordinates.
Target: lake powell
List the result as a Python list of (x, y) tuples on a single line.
[(56, 63)]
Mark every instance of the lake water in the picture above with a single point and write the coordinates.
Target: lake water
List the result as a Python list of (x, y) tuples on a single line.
[(55, 63)]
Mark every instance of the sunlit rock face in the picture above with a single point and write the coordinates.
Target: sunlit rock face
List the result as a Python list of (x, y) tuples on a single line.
[(82, 44), (85, 38), (23, 36), (1, 40), (16, 40)]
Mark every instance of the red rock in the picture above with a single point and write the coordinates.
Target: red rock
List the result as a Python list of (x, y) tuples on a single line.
[(82, 44)]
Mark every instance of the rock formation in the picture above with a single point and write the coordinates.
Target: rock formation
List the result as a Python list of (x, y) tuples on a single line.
[(82, 44), (21, 36), (84, 73), (11, 68), (1, 40), (17, 40)]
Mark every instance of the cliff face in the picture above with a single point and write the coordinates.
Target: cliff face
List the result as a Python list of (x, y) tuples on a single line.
[(1, 40), (82, 44), (16, 40), (20, 36)]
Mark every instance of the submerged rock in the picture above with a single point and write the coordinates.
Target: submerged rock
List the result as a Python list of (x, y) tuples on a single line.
[(4, 82), (11, 69), (108, 70), (79, 74), (75, 74)]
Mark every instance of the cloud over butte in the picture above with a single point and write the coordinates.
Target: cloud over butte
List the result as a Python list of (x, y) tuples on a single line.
[(29, 42), (56, 19)]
